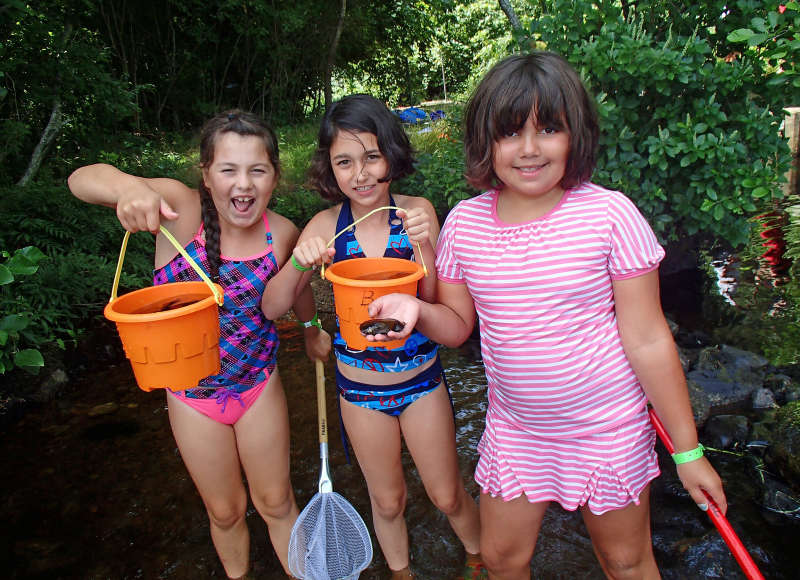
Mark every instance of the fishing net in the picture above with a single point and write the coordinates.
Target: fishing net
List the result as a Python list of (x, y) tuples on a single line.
[(329, 540)]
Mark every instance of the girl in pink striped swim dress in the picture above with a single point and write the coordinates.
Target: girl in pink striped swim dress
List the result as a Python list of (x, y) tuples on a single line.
[(563, 277), (237, 420)]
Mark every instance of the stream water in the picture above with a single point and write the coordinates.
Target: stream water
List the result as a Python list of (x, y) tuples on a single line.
[(93, 487)]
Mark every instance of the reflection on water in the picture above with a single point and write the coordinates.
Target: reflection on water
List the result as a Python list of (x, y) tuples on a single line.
[(93, 487)]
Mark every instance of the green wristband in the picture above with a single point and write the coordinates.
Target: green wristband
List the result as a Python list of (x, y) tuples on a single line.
[(313, 322), (687, 456), (297, 265)]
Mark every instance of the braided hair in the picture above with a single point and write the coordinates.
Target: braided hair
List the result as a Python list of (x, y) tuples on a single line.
[(242, 123)]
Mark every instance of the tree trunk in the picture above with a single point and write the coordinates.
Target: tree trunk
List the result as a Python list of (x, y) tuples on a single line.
[(506, 6), (332, 56), (54, 125), (48, 136)]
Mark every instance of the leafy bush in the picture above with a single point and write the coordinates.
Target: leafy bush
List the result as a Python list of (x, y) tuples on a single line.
[(81, 243), (299, 205), (773, 38), (15, 330), (692, 138), (440, 164)]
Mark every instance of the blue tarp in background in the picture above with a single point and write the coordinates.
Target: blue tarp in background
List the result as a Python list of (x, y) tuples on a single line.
[(414, 115)]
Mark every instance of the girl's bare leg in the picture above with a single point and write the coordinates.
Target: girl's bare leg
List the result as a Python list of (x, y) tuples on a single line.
[(209, 452), (509, 530), (376, 440), (622, 542), (262, 437), (429, 431)]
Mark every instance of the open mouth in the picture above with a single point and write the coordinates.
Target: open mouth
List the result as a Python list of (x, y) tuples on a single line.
[(243, 204)]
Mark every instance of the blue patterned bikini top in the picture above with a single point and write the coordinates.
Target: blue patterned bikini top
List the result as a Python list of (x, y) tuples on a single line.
[(418, 348)]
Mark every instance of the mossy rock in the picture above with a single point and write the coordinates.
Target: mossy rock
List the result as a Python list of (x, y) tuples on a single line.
[(786, 446)]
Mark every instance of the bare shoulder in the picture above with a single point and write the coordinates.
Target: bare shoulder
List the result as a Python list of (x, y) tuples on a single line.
[(323, 224), (281, 224), (284, 235)]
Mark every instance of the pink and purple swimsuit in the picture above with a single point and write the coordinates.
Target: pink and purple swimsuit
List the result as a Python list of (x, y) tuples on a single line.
[(248, 340)]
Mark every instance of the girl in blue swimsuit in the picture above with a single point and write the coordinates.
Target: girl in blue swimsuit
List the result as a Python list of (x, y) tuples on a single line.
[(386, 396)]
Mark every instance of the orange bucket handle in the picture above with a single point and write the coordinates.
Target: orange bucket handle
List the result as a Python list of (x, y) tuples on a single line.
[(363, 217), (218, 296)]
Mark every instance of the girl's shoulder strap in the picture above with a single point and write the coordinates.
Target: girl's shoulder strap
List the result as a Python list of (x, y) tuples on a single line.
[(344, 220)]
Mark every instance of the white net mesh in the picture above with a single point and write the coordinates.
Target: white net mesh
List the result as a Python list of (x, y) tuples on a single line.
[(329, 540)]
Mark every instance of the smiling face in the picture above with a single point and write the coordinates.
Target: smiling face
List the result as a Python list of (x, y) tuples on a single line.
[(532, 160), (358, 165), (240, 178)]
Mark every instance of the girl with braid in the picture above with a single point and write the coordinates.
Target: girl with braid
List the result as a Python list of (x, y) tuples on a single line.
[(236, 420)]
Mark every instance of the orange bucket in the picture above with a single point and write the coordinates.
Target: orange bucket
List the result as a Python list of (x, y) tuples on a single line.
[(170, 332), (359, 281)]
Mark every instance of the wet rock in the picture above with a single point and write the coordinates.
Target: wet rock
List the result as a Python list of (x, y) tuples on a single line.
[(710, 558), (700, 401), (104, 409), (726, 431), (783, 387), (764, 399), (50, 386), (764, 428), (720, 389), (733, 364), (785, 450)]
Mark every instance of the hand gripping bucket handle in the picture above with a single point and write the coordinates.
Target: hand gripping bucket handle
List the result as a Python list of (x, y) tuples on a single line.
[(354, 288), (216, 291), (170, 332), (363, 217)]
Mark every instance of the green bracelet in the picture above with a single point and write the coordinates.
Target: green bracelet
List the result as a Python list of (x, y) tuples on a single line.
[(313, 322), (297, 265), (687, 456)]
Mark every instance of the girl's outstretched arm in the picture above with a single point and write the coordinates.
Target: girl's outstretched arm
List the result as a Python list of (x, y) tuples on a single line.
[(651, 350), (449, 321), (140, 202)]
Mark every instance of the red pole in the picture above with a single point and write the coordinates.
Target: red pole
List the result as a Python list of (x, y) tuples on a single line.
[(717, 517)]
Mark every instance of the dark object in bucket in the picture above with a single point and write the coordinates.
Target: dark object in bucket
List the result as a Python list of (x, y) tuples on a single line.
[(389, 275), (381, 326), (169, 304)]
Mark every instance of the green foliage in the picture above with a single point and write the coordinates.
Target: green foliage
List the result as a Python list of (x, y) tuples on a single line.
[(440, 164), (411, 51), (15, 324), (298, 205), (692, 138), (773, 38), (81, 243), (49, 61)]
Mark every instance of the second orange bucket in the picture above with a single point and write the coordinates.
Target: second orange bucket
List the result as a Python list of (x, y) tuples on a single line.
[(359, 281)]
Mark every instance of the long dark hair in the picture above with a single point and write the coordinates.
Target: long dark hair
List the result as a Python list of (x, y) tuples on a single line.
[(542, 82), (241, 123), (359, 114)]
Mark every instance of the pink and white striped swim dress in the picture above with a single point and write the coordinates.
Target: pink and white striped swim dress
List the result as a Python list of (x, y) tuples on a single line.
[(567, 418)]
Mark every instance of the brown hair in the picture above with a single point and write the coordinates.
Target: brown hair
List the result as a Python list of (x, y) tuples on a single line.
[(359, 114), (241, 123), (539, 83)]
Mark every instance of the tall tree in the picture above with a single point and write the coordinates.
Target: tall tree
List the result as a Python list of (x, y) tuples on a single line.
[(508, 9), (332, 55)]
